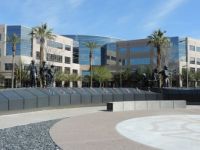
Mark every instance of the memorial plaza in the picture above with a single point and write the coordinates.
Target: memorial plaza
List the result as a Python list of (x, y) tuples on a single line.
[(89, 128)]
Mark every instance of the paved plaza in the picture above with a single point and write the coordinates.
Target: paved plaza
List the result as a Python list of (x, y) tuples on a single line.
[(93, 128), (105, 130)]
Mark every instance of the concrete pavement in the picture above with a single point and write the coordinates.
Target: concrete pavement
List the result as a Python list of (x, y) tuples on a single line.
[(97, 131), (11, 120)]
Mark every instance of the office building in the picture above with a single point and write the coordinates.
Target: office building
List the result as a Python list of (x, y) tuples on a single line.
[(84, 51), (58, 52)]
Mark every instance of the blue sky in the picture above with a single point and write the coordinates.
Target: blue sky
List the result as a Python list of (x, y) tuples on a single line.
[(126, 19)]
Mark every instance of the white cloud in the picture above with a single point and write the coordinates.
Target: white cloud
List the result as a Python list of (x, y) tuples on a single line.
[(54, 13), (75, 3), (160, 12)]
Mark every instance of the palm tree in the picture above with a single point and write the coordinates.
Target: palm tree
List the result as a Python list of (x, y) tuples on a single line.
[(42, 33), (102, 74), (13, 40), (159, 41), (91, 46)]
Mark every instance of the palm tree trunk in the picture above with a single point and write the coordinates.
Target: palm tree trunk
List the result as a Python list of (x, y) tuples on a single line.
[(41, 53), (158, 58), (13, 67), (91, 68), (159, 65)]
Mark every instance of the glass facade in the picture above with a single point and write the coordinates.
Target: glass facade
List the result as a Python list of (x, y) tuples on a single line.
[(84, 51), (23, 48), (140, 53), (140, 61)]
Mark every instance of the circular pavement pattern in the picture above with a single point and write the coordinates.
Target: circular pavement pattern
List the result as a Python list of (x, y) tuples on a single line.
[(164, 132)]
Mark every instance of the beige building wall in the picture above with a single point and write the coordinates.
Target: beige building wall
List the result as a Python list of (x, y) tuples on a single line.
[(26, 60), (193, 54)]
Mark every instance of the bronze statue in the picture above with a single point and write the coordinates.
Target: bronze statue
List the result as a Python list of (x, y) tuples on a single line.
[(165, 76), (43, 74), (33, 73), (155, 78), (50, 76)]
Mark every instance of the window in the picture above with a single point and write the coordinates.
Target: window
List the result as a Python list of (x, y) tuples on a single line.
[(198, 61), (68, 47), (67, 70), (54, 58), (8, 66), (113, 58), (192, 60), (7, 83), (192, 69), (75, 71), (37, 55), (198, 69), (67, 60), (55, 44), (140, 61), (140, 49), (198, 49), (122, 50), (58, 69), (192, 48), (0, 37)]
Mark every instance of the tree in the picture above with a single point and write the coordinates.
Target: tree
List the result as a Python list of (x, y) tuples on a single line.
[(159, 41), (91, 46), (140, 71), (102, 74), (13, 40), (74, 78), (42, 33), (196, 77), (2, 78), (22, 76), (126, 76)]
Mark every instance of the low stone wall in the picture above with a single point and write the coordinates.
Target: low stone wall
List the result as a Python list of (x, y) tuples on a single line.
[(30, 98), (145, 105), (191, 95)]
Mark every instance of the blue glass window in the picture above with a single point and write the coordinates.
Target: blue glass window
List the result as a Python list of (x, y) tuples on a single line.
[(24, 47), (182, 50), (122, 50), (10, 31), (140, 49), (140, 61)]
